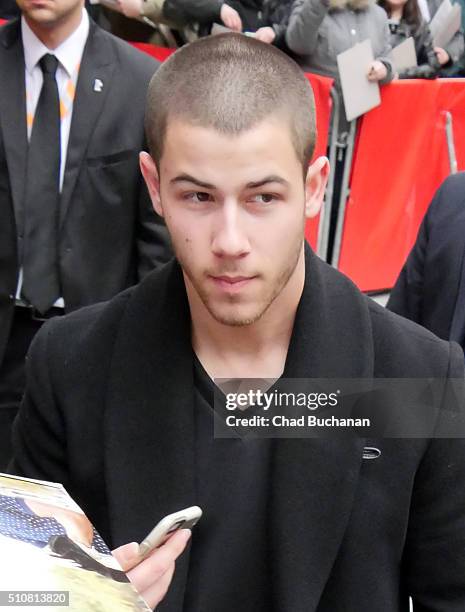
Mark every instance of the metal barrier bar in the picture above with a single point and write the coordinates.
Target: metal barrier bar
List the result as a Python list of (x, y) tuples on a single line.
[(325, 214), (345, 192), (451, 143)]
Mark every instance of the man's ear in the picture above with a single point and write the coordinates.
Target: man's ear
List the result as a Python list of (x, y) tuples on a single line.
[(315, 185), (150, 174)]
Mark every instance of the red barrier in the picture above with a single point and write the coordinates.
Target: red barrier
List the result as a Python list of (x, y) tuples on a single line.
[(400, 160), (159, 53), (321, 88)]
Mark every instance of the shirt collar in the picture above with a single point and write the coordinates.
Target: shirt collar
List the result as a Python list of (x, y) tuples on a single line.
[(69, 53)]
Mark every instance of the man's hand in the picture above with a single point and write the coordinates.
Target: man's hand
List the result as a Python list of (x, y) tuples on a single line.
[(130, 8), (231, 18), (377, 71), (266, 35), (152, 576), (442, 55)]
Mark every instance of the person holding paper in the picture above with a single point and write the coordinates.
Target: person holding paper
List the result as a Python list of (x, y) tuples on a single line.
[(266, 19), (405, 20), (452, 53), (169, 22), (319, 30)]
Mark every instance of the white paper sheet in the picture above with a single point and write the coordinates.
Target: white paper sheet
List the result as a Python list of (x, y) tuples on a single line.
[(360, 95), (404, 55)]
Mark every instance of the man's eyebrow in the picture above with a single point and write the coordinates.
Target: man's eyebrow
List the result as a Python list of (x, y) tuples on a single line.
[(186, 178), (273, 178)]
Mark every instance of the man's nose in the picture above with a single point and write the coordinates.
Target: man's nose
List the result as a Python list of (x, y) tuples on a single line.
[(230, 238)]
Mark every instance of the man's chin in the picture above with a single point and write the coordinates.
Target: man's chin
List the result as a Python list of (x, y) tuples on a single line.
[(42, 16), (236, 318)]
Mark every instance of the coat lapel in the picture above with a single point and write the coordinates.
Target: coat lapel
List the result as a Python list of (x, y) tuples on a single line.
[(149, 425), (13, 110), (149, 422), (98, 62), (314, 481)]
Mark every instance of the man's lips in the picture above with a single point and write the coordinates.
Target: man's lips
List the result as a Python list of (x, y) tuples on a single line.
[(39, 4), (231, 283)]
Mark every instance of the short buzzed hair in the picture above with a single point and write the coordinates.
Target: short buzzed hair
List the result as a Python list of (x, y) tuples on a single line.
[(230, 82)]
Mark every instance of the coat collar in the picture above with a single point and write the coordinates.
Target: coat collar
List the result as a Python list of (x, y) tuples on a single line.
[(332, 320), (149, 425), (332, 338), (149, 420)]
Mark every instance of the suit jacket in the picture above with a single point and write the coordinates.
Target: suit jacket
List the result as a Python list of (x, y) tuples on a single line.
[(431, 286), (8, 9), (109, 412), (109, 236)]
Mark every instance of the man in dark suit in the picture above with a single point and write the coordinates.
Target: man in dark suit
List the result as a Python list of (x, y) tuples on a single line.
[(430, 289), (76, 223), (120, 399)]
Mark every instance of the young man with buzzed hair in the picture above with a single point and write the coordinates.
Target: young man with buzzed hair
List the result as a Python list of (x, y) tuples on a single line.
[(119, 405)]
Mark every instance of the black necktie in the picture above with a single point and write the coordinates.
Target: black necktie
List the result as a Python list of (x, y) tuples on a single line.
[(41, 285)]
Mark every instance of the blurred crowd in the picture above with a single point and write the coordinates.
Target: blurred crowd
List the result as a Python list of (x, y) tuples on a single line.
[(314, 32)]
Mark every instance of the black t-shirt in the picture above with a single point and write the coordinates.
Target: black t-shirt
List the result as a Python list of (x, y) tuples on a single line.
[(230, 545)]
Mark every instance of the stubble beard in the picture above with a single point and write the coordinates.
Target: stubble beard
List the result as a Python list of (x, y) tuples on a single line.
[(235, 320)]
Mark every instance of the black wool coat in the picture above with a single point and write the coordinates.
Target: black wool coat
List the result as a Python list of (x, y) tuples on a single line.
[(109, 412)]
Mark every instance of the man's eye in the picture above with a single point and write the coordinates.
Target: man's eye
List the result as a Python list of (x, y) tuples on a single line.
[(264, 198), (198, 197)]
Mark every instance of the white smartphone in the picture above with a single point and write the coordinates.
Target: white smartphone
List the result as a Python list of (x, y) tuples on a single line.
[(184, 519)]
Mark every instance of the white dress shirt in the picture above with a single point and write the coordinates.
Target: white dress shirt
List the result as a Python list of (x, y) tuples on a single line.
[(69, 55)]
